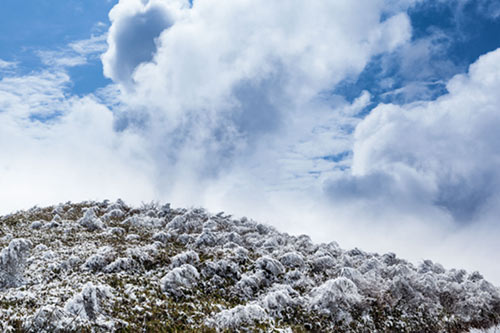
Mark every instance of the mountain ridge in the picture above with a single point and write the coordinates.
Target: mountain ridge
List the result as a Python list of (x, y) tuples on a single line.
[(105, 266)]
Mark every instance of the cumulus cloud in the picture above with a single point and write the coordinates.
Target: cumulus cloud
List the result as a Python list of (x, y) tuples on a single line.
[(226, 81), (447, 146), (437, 161), (135, 26)]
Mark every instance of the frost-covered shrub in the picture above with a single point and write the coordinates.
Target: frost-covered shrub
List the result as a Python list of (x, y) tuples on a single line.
[(132, 237), (88, 303), (36, 225), (206, 238), (47, 318), (90, 221), (190, 222), (280, 301), (143, 255), (99, 260), (298, 280), (304, 244), (238, 317), (143, 222), (292, 260), (354, 275), (188, 257), (12, 262), (231, 237), (116, 231), (223, 268), (180, 280), (121, 264), (236, 253), (250, 284), (115, 213), (322, 263), (335, 298), (161, 237), (270, 266)]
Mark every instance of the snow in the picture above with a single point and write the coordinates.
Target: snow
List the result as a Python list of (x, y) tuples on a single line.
[(107, 266), (180, 280), (12, 262), (241, 315)]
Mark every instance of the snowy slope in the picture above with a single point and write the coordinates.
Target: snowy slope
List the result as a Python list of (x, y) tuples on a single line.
[(101, 266)]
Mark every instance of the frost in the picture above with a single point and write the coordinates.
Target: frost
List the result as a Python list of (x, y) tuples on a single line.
[(13, 261), (241, 315), (87, 304), (188, 257), (180, 280), (270, 265), (292, 259), (335, 297), (189, 269), (99, 260), (90, 221)]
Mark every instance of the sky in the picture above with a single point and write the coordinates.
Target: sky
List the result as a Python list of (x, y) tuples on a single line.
[(373, 123)]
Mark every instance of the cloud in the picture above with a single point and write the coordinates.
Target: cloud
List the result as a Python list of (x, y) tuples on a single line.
[(448, 145), (57, 148), (77, 53), (224, 82), (135, 26), (437, 161), (7, 64)]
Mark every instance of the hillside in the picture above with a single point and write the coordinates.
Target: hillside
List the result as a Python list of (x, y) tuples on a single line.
[(101, 266)]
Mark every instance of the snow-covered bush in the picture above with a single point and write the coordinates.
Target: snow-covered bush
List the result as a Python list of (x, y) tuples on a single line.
[(99, 260), (335, 298), (188, 257), (157, 268), (238, 317), (13, 261), (90, 221), (88, 303), (180, 280)]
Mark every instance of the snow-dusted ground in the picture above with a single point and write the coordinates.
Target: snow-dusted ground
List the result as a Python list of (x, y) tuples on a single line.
[(104, 266)]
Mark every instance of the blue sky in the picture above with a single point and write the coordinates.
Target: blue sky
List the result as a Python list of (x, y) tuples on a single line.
[(339, 119), (29, 27)]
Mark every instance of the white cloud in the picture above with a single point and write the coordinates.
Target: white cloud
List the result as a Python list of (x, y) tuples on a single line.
[(224, 82), (77, 53), (437, 161), (135, 26), (7, 64), (73, 154)]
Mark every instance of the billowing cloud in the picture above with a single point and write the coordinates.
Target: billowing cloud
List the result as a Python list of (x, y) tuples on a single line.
[(447, 148), (226, 80), (437, 161), (132, 36)]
